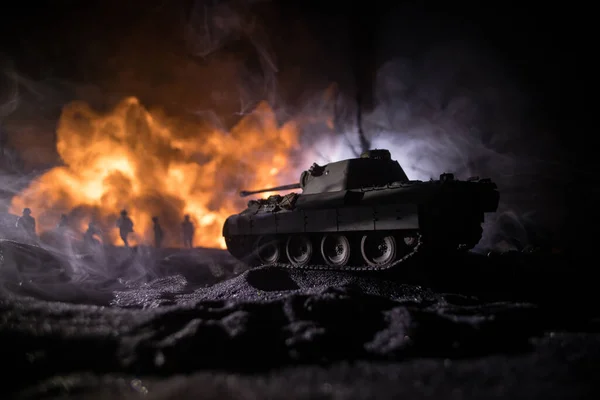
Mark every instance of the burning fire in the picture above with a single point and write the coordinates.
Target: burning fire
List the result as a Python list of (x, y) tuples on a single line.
[(141, 161)]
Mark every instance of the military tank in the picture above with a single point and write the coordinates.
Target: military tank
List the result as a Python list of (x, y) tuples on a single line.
[(361, 213)]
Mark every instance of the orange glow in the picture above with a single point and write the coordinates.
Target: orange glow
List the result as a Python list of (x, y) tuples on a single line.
[(141, 161)]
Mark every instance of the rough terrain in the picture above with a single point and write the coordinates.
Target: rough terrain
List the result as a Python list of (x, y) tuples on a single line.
[(196, 324)]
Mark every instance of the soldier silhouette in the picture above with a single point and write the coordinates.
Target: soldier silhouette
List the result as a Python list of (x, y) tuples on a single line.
[(125, 225), (62, 228), (63, 222), (158, 233), (187, 228), (89, 235), (26, 223)]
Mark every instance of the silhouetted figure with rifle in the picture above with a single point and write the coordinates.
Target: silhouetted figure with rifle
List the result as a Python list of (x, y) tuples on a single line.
[(158, 233), (26, 223), (187, 228), (125, 225)]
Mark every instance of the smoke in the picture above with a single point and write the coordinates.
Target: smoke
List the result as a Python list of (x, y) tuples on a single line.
[(449, 107), (58, 265), (212, 26), (65, 270), (9, 91), (11, 166), (454, 109), (103, 268)]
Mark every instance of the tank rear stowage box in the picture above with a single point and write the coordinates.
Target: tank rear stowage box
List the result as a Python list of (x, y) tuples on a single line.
[(361, 213)]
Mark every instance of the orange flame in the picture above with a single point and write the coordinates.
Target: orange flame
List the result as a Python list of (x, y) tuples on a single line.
[(141, 161)]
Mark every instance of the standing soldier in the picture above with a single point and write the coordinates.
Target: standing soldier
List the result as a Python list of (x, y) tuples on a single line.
[(61, 230), (125, 225), (187, 228), (158, 233), (27, 223), (63, 223), (89, 236)]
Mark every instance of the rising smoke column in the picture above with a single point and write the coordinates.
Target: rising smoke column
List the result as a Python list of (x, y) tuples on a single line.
[(453, 109)]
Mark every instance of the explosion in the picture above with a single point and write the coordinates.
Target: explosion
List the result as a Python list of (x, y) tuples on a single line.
[(143, 162)]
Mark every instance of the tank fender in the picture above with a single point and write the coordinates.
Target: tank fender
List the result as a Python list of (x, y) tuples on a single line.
[(237, 225)]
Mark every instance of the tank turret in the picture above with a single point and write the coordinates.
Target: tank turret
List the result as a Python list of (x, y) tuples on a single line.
[(359, 213), (374, 167)]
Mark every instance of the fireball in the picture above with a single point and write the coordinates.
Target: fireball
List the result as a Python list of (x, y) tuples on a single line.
[(143, 162)]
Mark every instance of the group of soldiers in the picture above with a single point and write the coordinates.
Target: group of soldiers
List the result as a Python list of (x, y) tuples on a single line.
[(26, 223)]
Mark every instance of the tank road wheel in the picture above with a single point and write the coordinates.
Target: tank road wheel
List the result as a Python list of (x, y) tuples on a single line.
[(237, 247), (335, 250), (378, 250), (268, 250), (299, 250)]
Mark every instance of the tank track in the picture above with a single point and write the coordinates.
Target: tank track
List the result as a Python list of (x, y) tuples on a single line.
[(361, 268)]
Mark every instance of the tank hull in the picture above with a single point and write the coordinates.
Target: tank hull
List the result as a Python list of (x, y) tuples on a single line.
[(445, 215), (338, 219)]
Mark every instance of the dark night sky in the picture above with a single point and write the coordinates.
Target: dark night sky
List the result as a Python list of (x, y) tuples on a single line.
[(94, 42), (80, 40), (100, 51), (65, 35)]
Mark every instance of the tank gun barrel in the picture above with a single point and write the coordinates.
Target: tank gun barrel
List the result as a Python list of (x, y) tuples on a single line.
[(245, 193)]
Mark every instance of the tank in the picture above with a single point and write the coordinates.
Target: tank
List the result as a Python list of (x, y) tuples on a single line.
[(359, 213)]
